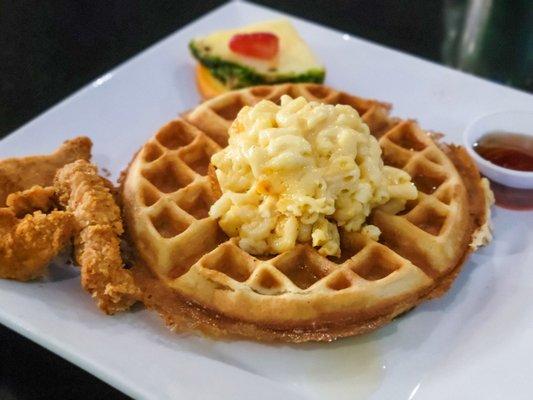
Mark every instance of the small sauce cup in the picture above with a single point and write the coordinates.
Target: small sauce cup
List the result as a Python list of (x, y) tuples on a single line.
[(507, 121)]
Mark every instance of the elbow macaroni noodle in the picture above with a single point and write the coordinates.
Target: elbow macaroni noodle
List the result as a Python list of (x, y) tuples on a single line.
[(298, 171)]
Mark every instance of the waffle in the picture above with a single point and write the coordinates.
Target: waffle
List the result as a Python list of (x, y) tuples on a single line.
[(197, 277)]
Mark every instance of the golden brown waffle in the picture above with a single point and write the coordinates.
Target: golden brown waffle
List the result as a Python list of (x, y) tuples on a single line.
[(205, 281)]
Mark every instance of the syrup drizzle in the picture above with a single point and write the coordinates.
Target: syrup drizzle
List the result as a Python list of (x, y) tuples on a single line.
[(512, 198)]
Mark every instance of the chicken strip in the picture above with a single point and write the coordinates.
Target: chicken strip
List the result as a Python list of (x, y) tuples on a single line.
[(29, 244), (33, 199), (22, 173), (98, 228)]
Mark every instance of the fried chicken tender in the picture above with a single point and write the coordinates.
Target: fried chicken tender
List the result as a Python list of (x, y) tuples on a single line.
[(32, 199), (22, 173), (98, 227), (29, 244), (30, 237)]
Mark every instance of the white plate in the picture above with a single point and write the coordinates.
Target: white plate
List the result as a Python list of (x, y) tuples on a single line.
[(476, 342)]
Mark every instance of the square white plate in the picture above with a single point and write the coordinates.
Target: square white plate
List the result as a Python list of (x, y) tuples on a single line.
[(476, 342)]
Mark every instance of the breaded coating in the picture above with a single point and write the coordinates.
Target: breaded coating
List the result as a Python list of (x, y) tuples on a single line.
[(33, 199), (29, 244), (97, 250), (98, 227), (22, 173)]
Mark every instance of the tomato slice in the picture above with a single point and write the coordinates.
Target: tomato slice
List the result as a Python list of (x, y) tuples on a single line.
[(263, 45)]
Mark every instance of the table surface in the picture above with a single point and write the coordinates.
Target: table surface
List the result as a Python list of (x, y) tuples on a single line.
[(49, 49)]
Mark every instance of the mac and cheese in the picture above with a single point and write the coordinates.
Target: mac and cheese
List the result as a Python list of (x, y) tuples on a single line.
[(298, 171)]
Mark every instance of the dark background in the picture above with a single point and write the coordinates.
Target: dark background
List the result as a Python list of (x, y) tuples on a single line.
[(48, 49)]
